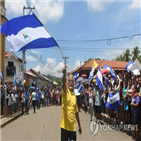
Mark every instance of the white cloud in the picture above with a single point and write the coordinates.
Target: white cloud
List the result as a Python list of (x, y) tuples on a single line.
[(98, 6), (135, 5), (51, 61), (14, 9), (49, 10), (52, 68), (30, 58), (77, 64)]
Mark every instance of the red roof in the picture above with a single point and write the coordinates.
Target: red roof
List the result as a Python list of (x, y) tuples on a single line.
[(116, 65), (30, 73), (7, 54)]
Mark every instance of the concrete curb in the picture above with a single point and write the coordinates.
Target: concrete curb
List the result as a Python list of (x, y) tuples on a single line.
[(12, 119)]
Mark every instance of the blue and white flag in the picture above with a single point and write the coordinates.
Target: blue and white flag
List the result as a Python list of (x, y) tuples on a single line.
[(20, 81), (113, 101), (91, 75), (110, 71), (128, 67), (99, 80), (14, 79), (75, 76), (1, 75), (27, 32), (106, 81), (80, 88)]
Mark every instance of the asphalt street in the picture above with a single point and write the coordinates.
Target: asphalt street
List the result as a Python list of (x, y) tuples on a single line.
[(44, 126)]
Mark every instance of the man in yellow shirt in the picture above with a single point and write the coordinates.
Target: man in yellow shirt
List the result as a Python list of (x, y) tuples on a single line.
[(69, 110)]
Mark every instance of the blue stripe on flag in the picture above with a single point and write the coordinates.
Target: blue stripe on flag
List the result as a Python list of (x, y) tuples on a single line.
[(99, 79), (15, 25), (113, 101), (40, 43)]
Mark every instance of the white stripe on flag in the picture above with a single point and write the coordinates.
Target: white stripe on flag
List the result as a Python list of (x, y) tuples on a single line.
[(113, 99), (18, 40)]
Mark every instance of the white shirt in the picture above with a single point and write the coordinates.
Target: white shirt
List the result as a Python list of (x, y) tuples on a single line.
[(14, 97), (90, 98)]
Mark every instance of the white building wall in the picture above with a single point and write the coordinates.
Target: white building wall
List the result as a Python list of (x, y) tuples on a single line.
[(17, 64)]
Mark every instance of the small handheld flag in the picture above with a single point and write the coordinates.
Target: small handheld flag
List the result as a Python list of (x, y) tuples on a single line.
[(99, 80)]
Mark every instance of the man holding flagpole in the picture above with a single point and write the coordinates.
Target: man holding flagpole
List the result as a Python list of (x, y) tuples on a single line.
[(69, 110)]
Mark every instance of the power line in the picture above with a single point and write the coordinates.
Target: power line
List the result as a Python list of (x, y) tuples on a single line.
[(41, 61)]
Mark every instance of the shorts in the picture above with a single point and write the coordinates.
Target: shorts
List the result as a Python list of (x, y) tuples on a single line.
[(68, 135), (97, 109)]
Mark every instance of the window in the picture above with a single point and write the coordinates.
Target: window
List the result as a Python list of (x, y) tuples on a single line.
[(10, 69)]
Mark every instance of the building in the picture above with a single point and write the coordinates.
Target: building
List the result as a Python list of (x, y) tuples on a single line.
[(13, 64), (117, 66)]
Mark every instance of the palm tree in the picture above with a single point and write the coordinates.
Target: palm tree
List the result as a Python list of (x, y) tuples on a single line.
[(126, 55), (136, 53)]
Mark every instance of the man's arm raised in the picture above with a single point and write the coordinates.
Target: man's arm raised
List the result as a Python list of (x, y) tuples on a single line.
[(64, 80)]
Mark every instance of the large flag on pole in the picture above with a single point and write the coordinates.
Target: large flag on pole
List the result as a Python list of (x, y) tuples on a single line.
[(113, 101), (75, 76), (99, 80), (1, 75), (91, 75), (14, 79), (27, 32)]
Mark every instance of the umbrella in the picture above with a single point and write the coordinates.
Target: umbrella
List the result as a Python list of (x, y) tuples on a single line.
[(84, 75), (79, 79), (84, 80), (32, 88)]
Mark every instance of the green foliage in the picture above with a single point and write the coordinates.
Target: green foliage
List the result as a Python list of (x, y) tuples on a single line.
[(91, 59), (127, 56)]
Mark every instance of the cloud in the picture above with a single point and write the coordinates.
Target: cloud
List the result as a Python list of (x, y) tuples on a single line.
[(51, 68), (135, 5), (30, 58), (98, 6), (51, 61), (77, 64), (14, 8), (49, 10)]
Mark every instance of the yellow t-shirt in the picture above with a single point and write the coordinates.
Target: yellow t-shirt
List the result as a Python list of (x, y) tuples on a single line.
[(69, 108)]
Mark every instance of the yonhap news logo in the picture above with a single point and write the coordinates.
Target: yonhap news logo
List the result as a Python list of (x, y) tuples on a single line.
[(95, 127)]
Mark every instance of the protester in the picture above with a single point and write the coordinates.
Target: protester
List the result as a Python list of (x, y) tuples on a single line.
[(23, 101), (26, 95), (69, 111), (34, 96), (135, 110), (15, 97)]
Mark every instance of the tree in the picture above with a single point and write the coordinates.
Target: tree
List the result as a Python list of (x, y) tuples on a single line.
[(136, 53), (91, 59), (126, 55)]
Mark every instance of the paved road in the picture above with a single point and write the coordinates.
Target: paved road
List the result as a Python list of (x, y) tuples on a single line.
[(44, 125)]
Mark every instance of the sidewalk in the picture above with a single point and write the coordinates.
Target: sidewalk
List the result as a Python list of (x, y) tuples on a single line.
[(4, 120)]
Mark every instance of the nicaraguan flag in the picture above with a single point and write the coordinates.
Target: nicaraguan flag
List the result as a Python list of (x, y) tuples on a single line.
[(1, 75), (80, 88), (99, 80), (110, 70), (128, 67), (106, 81), (27, 32), (14, 79), (91, 75), (75, 76), (20, 81), (113, 101)]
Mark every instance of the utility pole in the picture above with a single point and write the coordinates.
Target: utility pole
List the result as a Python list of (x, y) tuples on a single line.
[(23, 52), (65, 62)]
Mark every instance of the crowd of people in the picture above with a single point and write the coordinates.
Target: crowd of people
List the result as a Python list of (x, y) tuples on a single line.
[(93, 100), (16, 98)]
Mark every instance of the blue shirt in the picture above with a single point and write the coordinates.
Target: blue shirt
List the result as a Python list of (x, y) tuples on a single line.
[(26, 94), (38, 95)]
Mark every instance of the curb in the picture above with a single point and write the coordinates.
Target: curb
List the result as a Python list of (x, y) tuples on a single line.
[(17, 116)]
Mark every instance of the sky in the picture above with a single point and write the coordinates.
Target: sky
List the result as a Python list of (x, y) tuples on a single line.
[(75, 25)]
